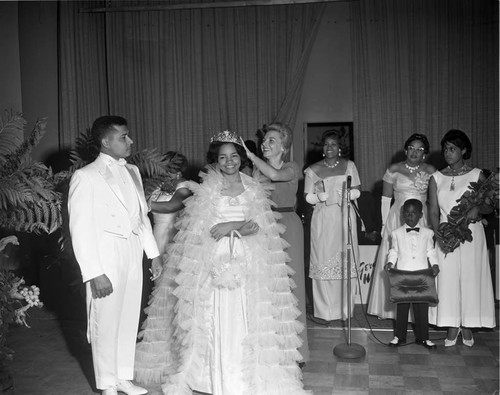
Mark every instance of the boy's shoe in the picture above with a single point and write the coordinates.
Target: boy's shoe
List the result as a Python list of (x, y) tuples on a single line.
[(396, 342), (427, 344)]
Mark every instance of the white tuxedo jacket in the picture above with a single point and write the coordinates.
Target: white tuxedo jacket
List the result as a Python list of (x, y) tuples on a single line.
[(410, 256), (96, 208)]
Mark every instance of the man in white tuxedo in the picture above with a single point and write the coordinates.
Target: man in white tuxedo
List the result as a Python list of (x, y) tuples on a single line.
[(413, 249), (110, 231)]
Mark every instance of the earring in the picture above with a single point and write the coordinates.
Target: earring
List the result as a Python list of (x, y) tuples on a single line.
[(323, 154)]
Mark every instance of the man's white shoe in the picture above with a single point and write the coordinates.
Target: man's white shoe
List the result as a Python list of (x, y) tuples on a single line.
[(129, 388), (109, 391)]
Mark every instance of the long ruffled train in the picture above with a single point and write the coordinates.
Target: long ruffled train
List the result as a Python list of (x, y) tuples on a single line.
[(176, 336)]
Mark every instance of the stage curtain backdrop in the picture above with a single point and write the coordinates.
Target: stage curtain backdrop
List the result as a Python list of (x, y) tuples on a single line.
[(180, 76), (423, 66)]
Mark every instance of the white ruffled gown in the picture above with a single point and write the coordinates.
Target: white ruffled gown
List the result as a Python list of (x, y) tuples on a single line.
[(224, 317)]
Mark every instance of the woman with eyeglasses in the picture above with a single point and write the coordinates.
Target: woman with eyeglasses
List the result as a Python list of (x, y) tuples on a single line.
[(402, 181)]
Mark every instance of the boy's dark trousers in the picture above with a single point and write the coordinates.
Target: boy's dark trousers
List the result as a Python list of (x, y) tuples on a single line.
[(421, 317)]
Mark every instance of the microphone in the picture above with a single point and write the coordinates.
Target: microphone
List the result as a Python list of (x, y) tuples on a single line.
[(348, 189)]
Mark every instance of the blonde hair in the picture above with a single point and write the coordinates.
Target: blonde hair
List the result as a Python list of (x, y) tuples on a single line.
[(285, 135)]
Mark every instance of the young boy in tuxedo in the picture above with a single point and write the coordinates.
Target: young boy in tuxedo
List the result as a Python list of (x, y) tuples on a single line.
[(412, 248)]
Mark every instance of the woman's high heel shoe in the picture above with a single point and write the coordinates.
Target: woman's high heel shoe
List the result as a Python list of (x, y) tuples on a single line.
[(451, 343), (468, 342)]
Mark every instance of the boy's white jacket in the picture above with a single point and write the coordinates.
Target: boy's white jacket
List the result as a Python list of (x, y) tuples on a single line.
[(407, 257)]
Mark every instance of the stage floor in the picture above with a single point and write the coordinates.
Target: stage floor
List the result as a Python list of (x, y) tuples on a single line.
[(52, 358)]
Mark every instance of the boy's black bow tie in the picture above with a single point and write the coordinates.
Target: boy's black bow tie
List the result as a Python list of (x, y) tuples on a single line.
[(410, 229)]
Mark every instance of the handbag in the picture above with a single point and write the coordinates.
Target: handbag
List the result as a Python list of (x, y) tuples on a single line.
[(417, 286)]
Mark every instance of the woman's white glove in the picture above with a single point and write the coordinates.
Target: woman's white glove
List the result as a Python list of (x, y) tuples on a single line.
[(385, 207), (323, 196), (313, 198), (355, 193)]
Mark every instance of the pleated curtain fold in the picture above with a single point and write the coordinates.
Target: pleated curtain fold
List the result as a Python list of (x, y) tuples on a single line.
[(180, 76), (423, 66)]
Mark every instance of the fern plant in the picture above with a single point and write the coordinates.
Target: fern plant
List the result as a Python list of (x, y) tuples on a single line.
[(28, 200)]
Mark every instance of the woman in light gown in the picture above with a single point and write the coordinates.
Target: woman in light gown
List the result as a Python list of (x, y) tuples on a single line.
[(325, 187), (464, 285), (230, 323), (284, 175), (403, 181), (166, 201)]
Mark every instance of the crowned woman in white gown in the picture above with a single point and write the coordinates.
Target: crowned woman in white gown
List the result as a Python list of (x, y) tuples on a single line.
[(228, 315), (403, 180)]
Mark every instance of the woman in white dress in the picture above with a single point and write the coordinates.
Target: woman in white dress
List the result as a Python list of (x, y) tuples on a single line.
[(403, 181), (325, 187), (464, 285), (231, 315), (167, 200)]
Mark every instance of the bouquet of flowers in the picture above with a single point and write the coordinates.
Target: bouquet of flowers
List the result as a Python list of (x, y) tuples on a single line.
[(15, 300), (481, 194)]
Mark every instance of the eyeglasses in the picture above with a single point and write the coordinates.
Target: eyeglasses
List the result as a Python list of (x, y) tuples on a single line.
[(419, 149)]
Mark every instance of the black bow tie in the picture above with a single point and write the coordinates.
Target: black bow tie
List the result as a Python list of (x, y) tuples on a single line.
[(410, 229)]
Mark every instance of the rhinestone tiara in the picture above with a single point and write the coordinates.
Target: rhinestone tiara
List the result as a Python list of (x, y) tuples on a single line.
[(226, 137)]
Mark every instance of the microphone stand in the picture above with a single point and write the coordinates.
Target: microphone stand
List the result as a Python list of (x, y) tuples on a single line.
[(349, 350)]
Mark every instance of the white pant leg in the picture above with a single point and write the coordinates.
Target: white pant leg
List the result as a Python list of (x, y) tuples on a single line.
[(114, 320)]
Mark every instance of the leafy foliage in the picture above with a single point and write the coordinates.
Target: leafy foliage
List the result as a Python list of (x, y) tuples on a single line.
[(7, 314), (153, 167), (11, 134), (482, 194), (28, 201), (15, 300), (85, 151)]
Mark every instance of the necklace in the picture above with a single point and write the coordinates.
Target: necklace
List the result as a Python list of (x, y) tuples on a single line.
[(279, 166), (412, 168), (329, 165), (456, 172)]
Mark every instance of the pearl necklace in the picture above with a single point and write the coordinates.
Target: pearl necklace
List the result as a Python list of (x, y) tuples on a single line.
[(329, 165), (458, 172), (412, 168)]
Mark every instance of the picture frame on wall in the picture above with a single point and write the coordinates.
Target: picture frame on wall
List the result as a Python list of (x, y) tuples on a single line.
[(313, 149)]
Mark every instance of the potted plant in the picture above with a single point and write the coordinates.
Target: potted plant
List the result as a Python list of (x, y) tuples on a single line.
[(28, 203)]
